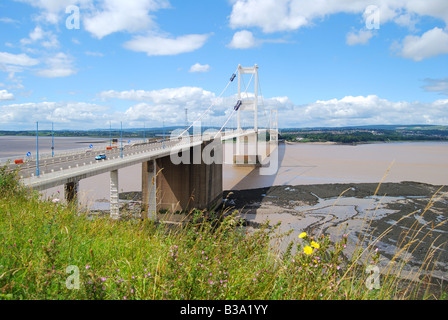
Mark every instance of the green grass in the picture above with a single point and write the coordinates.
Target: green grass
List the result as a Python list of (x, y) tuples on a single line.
[(133, 259)]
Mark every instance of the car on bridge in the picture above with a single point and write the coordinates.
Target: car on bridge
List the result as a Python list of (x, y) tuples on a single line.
[(100, 157)]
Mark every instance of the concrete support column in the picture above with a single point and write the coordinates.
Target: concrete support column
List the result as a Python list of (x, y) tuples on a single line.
[(240, 145), (185, 186), (114, 200), (246, 150), (252, 148), (273, 132), (149, 190), (71, 191)]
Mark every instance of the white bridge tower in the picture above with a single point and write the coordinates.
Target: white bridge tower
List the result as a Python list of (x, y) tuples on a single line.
[(247, 146)]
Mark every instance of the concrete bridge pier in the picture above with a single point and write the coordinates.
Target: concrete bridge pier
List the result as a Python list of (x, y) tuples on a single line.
[(196, 184), (246, 151), (149, 190), (114, 199)]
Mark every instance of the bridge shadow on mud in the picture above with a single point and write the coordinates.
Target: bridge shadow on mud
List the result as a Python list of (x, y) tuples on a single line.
[(245, 199)]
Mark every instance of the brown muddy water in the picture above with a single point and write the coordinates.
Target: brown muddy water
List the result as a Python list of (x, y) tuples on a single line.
[(17, 147)]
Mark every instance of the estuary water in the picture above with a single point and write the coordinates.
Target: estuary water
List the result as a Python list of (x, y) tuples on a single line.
[(297, 164)]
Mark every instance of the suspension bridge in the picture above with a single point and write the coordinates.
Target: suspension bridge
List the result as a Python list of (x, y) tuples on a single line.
[(181, 172)]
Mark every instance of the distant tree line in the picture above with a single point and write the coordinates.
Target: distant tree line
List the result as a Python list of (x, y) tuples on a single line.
[(101, 133), (363, 136), (81, 133)]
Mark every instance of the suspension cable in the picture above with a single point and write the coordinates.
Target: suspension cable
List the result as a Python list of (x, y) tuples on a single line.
[(268, 121), (250, 80), (235, 109), (212, 105), (231, 114)]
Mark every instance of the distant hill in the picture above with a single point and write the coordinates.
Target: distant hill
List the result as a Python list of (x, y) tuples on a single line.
[(128, 132), (376, 127), (363, 134)]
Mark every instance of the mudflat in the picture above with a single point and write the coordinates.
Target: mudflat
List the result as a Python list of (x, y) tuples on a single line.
[(387, 216)]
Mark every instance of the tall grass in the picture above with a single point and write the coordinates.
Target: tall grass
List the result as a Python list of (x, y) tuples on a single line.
[(409, 241), (141, 259)]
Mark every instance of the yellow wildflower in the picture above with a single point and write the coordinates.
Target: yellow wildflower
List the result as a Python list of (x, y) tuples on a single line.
[(302, 235), (315, 245), (308, 250)]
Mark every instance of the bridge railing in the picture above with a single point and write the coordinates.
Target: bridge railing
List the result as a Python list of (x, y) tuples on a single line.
[(101, 149), (113, 154), (48, 155)]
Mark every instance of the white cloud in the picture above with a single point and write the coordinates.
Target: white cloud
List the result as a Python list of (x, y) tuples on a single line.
[(270, 15), (94, 54), (59, 65), (5, 95), (53, 10), (243, 40), (362, 110), (77, 111), (118, 15), (102, 17), (163, 46), (289, 15), (167, 105), (433, 8), (13, 81), (48, 39), (154, 114), (432, 43), (360, 37), (71, 113), (200, 68), (347, 111), (17, 59), (437, 85), (37, 34), (154, 106), (9, 20), (178, 96), (407, 20)]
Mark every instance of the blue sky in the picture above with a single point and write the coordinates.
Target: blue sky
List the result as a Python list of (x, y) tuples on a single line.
[(142, 62)]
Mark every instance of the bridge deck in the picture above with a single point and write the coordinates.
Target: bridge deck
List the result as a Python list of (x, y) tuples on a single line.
[(61, 170)]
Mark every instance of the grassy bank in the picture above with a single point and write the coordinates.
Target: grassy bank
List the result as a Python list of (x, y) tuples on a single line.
[(46, 246)]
